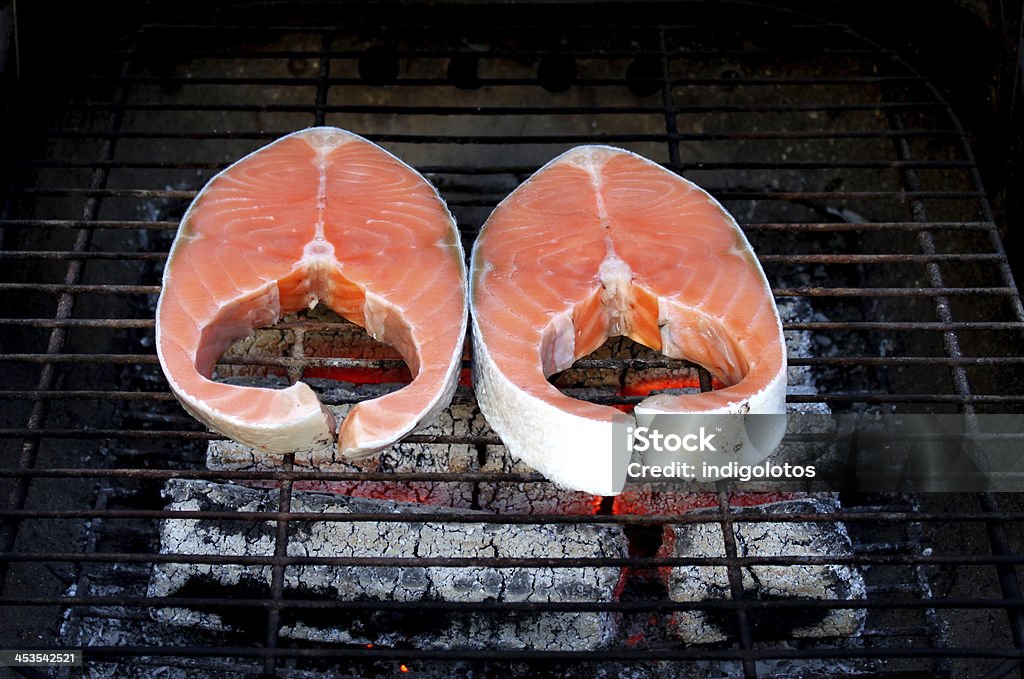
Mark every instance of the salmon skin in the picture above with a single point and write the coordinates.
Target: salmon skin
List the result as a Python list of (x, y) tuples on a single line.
[(318, 216), (602, 242)]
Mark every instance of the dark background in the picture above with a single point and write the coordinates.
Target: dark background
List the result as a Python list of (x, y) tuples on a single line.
[(970, 49)]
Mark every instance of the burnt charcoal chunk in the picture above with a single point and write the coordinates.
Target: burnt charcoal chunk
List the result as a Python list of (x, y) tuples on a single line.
[(766, 582), (386, 626)]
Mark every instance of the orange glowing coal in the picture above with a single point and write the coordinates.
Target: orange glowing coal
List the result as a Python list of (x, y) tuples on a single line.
[(642, 502), (400, 375), (649, 386)]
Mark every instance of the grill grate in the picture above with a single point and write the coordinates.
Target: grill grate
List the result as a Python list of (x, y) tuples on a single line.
[(847, 170)]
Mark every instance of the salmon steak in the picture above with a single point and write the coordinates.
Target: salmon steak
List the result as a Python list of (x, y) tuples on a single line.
[(318, 216), (601, 242)]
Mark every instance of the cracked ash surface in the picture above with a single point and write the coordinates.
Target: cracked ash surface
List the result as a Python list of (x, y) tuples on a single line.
[(798, 581), (462, 419), (540, 630)]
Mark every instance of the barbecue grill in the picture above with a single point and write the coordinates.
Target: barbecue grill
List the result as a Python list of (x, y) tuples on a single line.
[(846, 168)]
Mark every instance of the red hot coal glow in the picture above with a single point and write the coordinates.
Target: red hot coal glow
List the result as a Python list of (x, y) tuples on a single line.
[(649, 386), (400, 375)]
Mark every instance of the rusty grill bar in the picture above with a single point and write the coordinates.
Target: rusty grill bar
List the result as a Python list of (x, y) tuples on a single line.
[(922, 292)]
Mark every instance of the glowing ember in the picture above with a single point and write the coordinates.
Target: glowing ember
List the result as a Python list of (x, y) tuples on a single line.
[(361, 375), (657, 384), (400, 375), (646, 502), (647, 387), (403, 669)]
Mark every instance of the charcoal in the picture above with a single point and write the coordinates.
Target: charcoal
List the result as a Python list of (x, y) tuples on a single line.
[(457, 419), (798, 342), (528, 497), (769, 582), (579, 630)]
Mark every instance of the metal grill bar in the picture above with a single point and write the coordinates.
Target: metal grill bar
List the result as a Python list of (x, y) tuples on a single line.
[(522, 171), (143, 323), (514, 110), (685, 653), (448, 517), (113, 289), (493, 82), (564, 139), (277, 574), (309, 361), (244, 475), (935, 640), (764, 259), (761, 226), (189, 434), (192, 434), (498, 562), (838, 397), (506, 25), (674, 55), (528, 606)]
